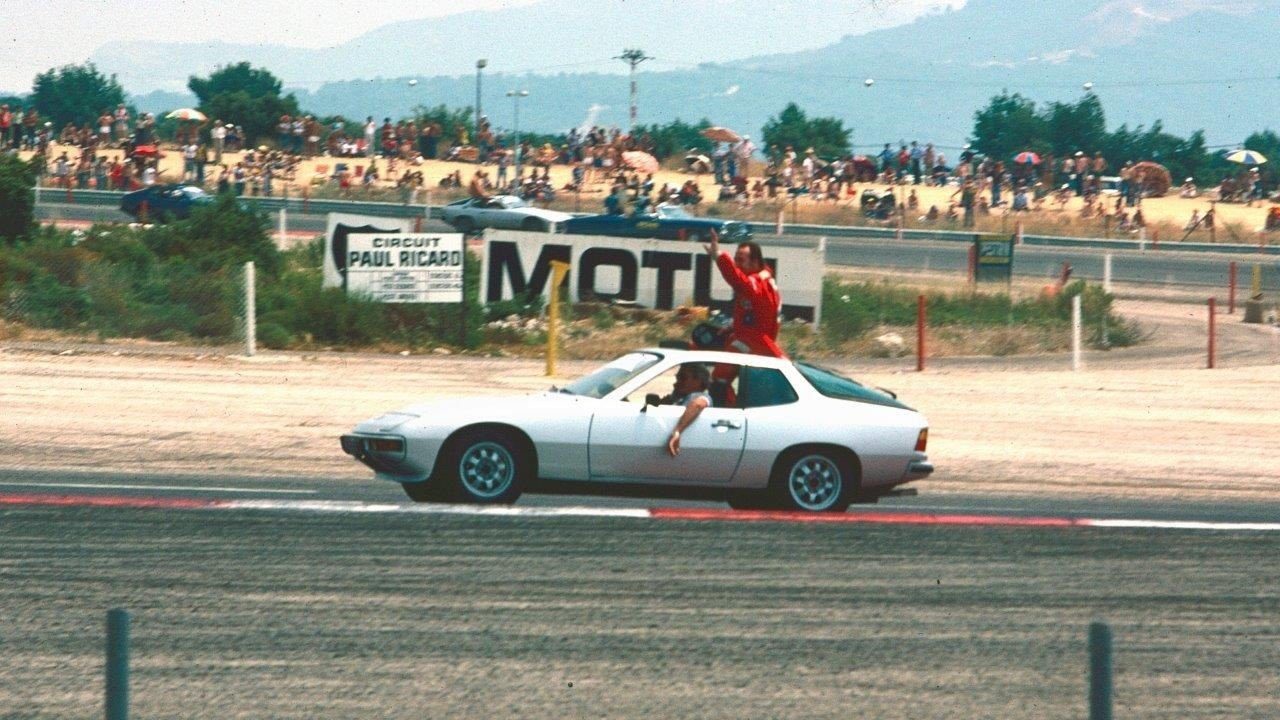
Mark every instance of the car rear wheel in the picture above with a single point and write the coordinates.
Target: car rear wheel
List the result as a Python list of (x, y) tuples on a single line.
[(813, 481), (488, 467), (532, 225)]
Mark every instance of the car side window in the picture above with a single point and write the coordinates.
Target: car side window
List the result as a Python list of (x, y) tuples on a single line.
[(765, 387)]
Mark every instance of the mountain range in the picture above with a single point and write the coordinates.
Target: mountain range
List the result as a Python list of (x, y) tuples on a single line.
[(1194, 64)]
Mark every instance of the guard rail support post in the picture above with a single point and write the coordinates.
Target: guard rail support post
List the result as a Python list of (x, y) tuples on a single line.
[(1106, 273), (117, 668), (1100, 686), (1213, 346), (973, 264), (1232, 272), (920, 327), (250, 310)]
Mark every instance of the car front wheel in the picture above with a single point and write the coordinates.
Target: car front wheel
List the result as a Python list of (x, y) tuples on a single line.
[(812, 481), (488, 468)]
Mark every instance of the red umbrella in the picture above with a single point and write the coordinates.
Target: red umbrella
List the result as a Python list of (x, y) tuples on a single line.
[(721, 134), (1027, 157), (642, 161)]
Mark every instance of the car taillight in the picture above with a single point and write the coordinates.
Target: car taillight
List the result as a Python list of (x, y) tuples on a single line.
[(922, 440)]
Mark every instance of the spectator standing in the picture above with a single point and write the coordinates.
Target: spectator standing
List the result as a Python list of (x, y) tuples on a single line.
[(219, 135), (370, 135), (917, 160), (122, 123)]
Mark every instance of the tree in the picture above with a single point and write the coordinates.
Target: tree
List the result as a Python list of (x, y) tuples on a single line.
[(1076, 126), (450, 120), (75, 94), (245, 96), (1266, 142), (17, 198), (676, 137), (827, 136), (1008, 125)]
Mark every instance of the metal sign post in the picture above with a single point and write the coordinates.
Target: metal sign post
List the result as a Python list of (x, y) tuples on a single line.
[(558, 270)]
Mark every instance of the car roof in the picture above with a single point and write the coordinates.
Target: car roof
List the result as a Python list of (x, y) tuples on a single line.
[(718, 356)]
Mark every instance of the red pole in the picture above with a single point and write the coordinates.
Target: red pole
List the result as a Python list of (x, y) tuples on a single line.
[(920, 322), (417, 224), (1212, 344), (142, 212), (973, 264), (1231, 288), (306, 197)]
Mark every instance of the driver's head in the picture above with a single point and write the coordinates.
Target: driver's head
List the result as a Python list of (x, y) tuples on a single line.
[(749, 257), (691, 378)]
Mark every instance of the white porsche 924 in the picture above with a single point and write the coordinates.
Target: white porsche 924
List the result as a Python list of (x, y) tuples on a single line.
[(779, 434)]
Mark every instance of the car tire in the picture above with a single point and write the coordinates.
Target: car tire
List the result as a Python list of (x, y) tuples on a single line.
[(533, 225), (486, 467), (693, 237), (812, 480), (464, 224)]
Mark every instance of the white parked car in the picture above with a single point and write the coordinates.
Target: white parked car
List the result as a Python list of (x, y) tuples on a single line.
[(779, 434), (507, 212)]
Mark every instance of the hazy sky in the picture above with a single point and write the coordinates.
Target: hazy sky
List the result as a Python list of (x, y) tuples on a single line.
[(40, 34)]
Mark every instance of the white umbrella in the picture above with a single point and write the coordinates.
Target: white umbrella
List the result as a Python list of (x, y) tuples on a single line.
[(1247, 157), (187, 114)]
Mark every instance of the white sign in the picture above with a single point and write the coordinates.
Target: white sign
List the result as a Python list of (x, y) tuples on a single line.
[(406, 268), (341, 226), (659, 274)]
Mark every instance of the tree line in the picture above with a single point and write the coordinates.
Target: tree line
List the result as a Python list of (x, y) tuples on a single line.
[(254, 99)]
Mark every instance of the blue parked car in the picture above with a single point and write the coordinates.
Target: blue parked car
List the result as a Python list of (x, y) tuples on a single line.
[(165, 202), (668, 222)]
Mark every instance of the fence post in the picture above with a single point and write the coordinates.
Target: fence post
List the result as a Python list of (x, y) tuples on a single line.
[(920, 323), (777, 229), (1231, 288), (1075, 332), (1212, 332), (1106, 273), (250, 311), (117, 669), (284, 226), (1099, 671), (973, 264)]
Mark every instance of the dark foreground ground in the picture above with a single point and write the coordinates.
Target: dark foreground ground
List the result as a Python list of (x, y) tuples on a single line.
[(287, 615)]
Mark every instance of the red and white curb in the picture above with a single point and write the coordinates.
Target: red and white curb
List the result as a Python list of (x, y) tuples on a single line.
[(887, 517)]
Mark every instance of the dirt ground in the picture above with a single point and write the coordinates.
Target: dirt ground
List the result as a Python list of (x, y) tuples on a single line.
[(1145, 421)]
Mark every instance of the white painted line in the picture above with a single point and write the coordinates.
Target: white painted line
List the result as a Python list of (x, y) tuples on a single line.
[(1184, 525), (80, 486), (355, 506)]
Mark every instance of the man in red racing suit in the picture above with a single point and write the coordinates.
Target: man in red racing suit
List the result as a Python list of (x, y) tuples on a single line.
[(755, 304)]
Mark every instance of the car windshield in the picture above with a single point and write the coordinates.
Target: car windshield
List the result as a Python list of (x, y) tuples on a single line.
[(513, 202), (611, 376), (673, 212), (834, 385), (193, 192)]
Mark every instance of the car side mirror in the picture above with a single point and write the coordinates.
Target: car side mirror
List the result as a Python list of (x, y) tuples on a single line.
[(651, 399)]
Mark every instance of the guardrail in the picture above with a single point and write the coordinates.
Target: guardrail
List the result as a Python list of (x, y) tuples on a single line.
[(313, 206)]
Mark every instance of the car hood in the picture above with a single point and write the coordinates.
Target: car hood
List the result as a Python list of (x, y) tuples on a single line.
[(461, 410)]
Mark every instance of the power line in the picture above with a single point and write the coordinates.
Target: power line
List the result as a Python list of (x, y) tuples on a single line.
[(633, 57)]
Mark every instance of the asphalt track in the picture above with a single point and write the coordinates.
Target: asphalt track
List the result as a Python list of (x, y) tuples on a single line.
[(930, 500), (1151, 268), (259, 611)]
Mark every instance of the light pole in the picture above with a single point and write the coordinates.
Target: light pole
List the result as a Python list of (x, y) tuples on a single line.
[(480, 65), (515, 96), (633, 57)]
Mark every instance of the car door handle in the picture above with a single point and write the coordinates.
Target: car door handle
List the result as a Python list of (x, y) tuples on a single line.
[(728, 424)]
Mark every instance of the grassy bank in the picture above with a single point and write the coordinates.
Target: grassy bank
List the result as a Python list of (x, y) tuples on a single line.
[(183, 282)]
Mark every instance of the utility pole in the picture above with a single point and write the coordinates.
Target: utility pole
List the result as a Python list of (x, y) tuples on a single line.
[(633, 57)]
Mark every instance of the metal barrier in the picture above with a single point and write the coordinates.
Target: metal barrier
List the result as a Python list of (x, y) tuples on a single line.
[(313, 206)]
